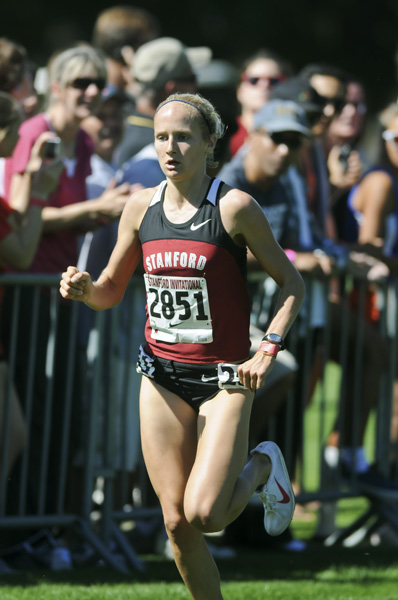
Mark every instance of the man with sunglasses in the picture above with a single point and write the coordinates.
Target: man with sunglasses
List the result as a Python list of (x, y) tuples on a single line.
[(262, 168), (330, 83), (280, 129)]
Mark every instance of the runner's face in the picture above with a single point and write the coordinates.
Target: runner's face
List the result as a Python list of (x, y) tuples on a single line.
[(179, 141)]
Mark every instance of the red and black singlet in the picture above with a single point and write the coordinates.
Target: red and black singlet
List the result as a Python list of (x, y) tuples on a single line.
[(198, 305)]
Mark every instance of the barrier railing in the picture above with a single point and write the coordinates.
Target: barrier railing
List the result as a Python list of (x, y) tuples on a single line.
[(69, 406)]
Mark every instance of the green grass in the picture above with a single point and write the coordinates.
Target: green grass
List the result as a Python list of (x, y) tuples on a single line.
[(321, 574)]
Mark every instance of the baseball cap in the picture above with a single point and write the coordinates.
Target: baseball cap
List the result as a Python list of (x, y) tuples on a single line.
[(298, 89), (166, 58), (282, 115)]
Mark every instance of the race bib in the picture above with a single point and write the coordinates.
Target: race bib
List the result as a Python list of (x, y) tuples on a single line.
[(228, 376), (178, 309)]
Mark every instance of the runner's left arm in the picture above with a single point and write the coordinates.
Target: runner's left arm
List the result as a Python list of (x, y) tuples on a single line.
[(245, 220)]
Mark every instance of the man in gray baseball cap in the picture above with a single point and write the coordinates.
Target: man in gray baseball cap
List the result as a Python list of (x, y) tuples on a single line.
[(282, 116), (161, 67), (280, 130)]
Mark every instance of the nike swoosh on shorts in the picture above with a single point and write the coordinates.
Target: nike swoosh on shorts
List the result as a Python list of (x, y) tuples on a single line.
[(205, 379)]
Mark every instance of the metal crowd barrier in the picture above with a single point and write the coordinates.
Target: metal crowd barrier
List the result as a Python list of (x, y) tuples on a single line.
[(90, 421)]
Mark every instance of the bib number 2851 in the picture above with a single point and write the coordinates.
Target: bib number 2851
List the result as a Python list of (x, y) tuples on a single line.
[(178, 309)]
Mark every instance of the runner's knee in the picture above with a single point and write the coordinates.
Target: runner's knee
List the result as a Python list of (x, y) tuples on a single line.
[(205, 518)]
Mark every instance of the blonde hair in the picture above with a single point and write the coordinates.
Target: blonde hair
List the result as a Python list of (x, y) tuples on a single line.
[(210, 120), (76, 62)]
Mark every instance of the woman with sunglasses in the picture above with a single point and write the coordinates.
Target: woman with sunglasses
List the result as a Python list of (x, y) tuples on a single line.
[(260, 74), (192, 233), (77, 77)]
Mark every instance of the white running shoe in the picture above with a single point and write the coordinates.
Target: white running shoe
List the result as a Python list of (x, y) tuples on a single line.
[(277, 494)]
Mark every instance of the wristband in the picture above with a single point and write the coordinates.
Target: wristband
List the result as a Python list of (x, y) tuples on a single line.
[(269, 349)]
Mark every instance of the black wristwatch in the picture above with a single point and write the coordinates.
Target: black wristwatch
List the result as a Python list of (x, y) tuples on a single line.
[(274, 338)]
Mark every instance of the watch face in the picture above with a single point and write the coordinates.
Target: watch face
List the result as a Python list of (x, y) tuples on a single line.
[(274, 338)]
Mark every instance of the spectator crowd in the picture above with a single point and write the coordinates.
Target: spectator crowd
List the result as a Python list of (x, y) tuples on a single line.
[(76, 139)]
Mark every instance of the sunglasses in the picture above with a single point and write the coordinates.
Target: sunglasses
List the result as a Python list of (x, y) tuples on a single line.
[(289, 139), (338, 103), (82, 83), (390, 136), (254, 80)]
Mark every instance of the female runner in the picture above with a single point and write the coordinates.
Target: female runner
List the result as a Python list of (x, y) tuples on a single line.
[(199, 383)]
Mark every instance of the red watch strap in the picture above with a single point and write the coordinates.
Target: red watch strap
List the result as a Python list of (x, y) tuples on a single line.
[(268, 348)]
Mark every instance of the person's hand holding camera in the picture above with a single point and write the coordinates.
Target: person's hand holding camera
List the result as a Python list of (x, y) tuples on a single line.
[(45, 165), (345, 166)]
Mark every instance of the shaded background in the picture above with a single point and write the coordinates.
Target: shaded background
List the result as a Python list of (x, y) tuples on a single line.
[(360, 36)]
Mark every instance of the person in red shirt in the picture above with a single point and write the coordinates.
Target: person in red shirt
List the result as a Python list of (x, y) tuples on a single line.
[(77, 78)]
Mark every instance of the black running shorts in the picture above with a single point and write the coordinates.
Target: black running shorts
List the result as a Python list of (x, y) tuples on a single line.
[(195, 384)]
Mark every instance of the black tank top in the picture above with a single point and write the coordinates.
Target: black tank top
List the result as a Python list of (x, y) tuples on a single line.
[(198, 304)]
